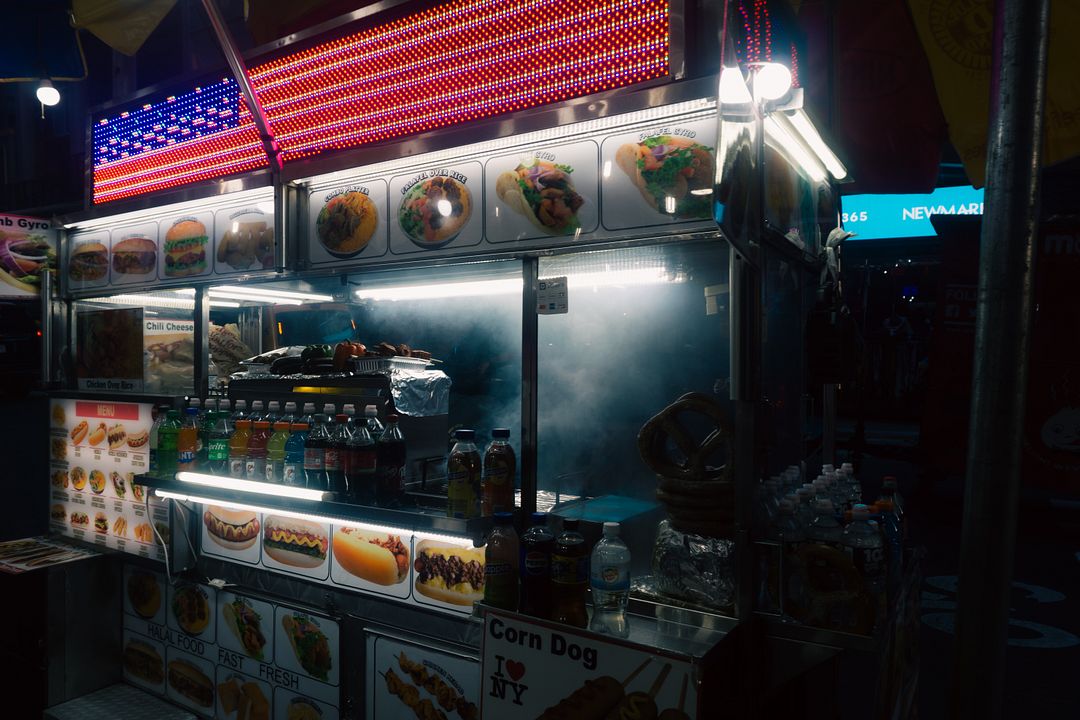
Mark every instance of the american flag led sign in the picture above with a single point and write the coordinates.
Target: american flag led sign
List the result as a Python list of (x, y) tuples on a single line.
[(457, 62)]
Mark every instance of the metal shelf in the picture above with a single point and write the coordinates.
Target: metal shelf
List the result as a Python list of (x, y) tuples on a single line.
[(408, 519), (776, 628)]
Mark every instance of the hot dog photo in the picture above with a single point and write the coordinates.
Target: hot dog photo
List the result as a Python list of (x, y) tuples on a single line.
[(447, 574), (144, 662), (235, 532), (295, 545), (380, 558), (190, 681)]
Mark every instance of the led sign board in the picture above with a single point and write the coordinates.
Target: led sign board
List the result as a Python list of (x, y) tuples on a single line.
[(878, 217), (456, 62)]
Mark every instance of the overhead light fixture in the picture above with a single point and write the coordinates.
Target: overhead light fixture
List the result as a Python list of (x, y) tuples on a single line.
[(145, 300), (771, 81), (47, 94), (263, 292), (800, 121), (474, 288), (249, 486), (733, 90)]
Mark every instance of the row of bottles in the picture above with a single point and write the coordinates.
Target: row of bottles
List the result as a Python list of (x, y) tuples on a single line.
[(840, 560), (547, 576)]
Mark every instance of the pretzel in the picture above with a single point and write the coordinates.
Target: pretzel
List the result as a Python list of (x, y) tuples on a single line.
[(653, 437)]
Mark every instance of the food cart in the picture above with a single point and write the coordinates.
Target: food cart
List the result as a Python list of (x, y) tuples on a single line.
[(529, 264)]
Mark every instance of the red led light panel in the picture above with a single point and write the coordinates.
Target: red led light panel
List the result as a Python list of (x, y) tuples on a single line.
[(459, 61)]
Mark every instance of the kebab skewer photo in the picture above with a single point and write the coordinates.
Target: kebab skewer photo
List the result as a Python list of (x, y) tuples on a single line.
[(640, 705), (410, 697), (677, 713), (446, 696)]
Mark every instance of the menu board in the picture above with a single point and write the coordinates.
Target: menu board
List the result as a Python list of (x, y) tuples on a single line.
[(133, 254), (404, 679), (438, 207), (539, 193), (369, 558), (88, 260), (531, 665), (226, 655), (658, 176), (348, 222), (96, 450), (185, 246)]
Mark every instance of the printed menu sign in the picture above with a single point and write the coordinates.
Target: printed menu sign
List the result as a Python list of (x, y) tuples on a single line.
[(226, 655), (244, 240), (134, 254), (96, 450), (661, 175), (542, 193), (350, 222), (435, 208), (185, 246), (407, 680), (88, 260), (531, 666), (27, 251)]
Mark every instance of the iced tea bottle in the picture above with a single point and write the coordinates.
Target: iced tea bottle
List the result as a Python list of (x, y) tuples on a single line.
[(569, 577), (537, 545), (500, 465), (463, 470)]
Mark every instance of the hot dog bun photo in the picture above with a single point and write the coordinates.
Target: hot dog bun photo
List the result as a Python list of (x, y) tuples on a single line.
[(79, 432), (190, 682), (435, 572), (234, 530), (295, 542), (379, 558)]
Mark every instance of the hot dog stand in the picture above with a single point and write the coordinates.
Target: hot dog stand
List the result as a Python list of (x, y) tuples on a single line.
[(555, 279)]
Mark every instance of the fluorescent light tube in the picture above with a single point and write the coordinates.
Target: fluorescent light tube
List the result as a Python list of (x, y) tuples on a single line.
[(476, 288), (322, 519), (805, 128), (253, 297), (796, 150), (249, 486), (267, 292)]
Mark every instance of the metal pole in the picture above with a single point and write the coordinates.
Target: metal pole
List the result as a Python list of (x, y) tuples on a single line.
[(239, 71), (828, 425), (46, 328), (201, 380), (530, 269), (1002, 331)]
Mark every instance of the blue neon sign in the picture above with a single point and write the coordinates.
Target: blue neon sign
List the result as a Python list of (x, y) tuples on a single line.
[(876, 217)]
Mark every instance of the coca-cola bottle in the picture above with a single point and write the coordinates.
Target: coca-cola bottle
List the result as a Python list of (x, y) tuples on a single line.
[(360, 473), (335, 459), (390, 465)]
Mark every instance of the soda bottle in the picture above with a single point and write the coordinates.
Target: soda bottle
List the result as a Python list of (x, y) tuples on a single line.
[(168, 444), (501, 564), (825, 529), (390, 465), (275, 452), (206, 426), (863, 540), (330, 411), (238, 444), (187, 441), (889, 489), (371, 416), (350, 411), (569, 577), (255, 464), (217, 444), (315, 454), (537, 545), (289, 416), (463, 470), (160, 413), (225, 406), (500, 464), (239, 412), (609, 578), (273, 413), (336, 459), (293, 472), (360, 473), (787, 531), (257, 411), (894, 543), (308, 418)]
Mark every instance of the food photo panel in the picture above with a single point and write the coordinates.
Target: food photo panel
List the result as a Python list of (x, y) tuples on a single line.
[(247, 626), (242, 697), (438, 581), (295, 546), (191, 610), (190, 681), (542, 193), (243, 240), (134, 254), (143, 660), (438, 207), (232, 533), (186, 246), (307, 644), (371, 558), (660, 175), (292, 706), (88, 260), (348, 223)]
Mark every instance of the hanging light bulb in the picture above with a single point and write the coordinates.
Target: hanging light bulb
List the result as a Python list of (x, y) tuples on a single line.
[(47, 94), (772, 81)]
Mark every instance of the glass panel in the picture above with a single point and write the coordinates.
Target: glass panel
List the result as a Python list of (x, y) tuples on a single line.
[(136, 342), (644, 327)]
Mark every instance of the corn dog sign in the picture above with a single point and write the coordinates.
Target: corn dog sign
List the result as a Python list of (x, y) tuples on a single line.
[(536, 669)]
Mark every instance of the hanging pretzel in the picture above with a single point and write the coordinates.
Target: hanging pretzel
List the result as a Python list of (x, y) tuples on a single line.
[(667, 424)]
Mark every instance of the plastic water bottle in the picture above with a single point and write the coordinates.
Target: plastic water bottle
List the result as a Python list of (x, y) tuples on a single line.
[(610, 582), (863, 540), (371, 415), (159, 420), (308, 418), (825, 529), (239, 412), (787, 531)]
